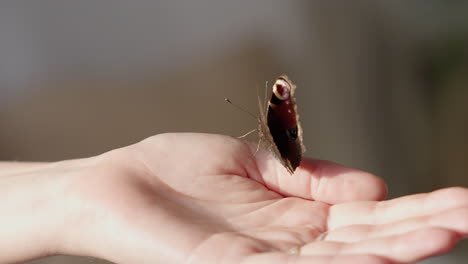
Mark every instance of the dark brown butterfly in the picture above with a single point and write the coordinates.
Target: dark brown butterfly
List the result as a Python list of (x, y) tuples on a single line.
[(279, 124)]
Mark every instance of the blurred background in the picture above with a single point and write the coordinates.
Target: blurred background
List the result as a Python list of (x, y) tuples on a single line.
[(382, 85)]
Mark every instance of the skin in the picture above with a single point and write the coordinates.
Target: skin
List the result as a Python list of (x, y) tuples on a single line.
[(199, 198)]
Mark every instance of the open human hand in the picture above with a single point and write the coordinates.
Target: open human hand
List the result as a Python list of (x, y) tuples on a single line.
[(200, 198)]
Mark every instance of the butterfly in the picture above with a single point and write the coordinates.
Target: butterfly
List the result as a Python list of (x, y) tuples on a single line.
[(279, 125)]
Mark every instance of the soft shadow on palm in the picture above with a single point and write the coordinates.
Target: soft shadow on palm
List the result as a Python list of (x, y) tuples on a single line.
[(229, 204)]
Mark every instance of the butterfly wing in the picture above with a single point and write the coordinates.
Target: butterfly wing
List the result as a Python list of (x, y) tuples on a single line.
[(264, 131), (279, 125)]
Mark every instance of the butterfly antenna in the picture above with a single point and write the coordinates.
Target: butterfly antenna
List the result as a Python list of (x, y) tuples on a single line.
[(243, 110)]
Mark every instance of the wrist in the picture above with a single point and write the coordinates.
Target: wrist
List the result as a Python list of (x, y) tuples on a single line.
[(117, 211)]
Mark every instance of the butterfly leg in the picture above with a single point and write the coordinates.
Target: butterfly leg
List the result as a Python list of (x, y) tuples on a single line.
[(258, 146), (246, 134)]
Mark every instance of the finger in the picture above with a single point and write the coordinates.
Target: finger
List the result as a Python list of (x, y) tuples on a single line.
[(282, 258), (334, 183), (397, 209), (319, 180), (408, 247), (454, 219)]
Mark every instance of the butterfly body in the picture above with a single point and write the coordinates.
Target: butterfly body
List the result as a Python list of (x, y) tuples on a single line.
[(279, 125)]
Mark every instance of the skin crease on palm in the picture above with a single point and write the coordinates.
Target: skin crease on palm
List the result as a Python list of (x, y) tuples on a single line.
[(201, 198)]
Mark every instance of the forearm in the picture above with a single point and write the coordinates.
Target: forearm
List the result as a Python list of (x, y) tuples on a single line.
[(10, 167), (31, 209)]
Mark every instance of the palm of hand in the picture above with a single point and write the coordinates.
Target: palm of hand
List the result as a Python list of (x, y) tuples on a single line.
[(209, 199)]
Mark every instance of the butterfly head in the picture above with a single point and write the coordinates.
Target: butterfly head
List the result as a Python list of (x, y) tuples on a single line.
[(282, 89)]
